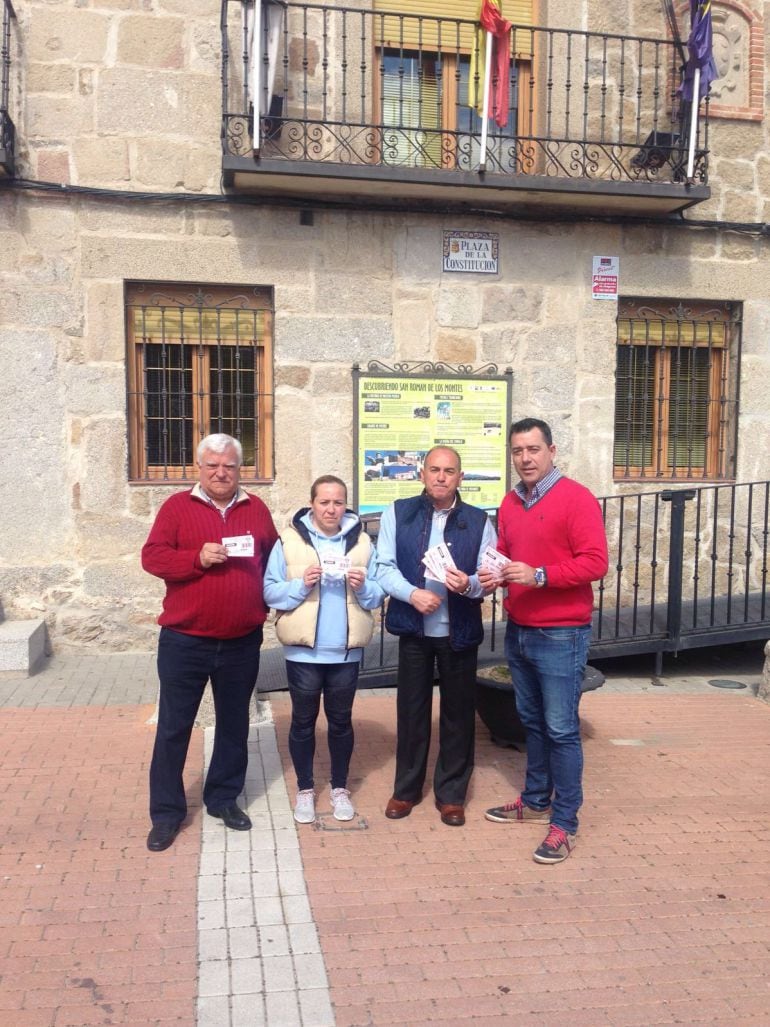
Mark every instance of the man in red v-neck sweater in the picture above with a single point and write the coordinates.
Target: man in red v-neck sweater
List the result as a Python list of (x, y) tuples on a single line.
[(551, 529), (210, 546)]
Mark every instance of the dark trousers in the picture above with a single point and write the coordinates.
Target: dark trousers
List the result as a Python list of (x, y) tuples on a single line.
[(185, 664), (336, 682), (418, 660)]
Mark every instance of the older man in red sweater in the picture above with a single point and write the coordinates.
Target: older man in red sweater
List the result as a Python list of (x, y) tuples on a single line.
[(551, 529), (210, 545)]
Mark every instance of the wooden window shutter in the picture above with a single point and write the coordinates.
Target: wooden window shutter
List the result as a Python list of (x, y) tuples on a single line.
[(433, 32), (410, 100)]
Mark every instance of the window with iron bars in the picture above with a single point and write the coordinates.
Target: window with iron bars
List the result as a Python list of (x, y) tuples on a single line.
[(199, 360), (676, 409)]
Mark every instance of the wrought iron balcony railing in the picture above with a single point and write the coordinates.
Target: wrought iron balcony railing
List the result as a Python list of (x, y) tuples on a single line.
[(7, 131), (371, 88)]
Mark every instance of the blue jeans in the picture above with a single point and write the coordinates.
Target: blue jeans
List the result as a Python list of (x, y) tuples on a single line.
[(185, 664), (307, 683), (547, 666)]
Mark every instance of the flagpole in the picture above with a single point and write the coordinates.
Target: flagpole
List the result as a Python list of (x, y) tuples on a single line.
[(485, 106), (693, 123), (256, 69)]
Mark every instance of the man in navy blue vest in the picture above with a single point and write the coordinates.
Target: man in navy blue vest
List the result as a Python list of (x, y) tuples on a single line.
[(439, 627)]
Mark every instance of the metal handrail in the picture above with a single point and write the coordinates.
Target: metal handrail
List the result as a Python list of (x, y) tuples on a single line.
[(7, 129), (391, 90), (688, 568)]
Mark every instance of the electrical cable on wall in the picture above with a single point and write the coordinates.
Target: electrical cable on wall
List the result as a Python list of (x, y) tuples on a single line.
[(754, 228)]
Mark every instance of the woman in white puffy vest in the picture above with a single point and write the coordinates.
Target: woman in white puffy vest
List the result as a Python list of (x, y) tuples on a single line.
[(320, 580)]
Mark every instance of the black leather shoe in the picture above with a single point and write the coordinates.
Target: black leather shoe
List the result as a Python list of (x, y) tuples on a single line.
[(233, 816), (161, 836)]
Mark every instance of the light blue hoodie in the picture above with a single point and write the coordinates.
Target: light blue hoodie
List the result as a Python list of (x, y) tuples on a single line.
[(287, 594)]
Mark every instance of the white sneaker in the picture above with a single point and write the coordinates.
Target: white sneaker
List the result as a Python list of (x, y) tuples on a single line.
[(342, 807), (304, 807)]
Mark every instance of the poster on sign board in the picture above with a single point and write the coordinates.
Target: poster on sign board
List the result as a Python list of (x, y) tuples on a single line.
[(399, 417)]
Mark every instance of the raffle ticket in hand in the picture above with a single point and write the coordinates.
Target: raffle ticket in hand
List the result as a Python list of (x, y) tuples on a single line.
[(438, 560), (334, 565), (239, 545), (494, 562)]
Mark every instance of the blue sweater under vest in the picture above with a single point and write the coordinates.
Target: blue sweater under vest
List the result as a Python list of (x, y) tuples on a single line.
[(463, 534)]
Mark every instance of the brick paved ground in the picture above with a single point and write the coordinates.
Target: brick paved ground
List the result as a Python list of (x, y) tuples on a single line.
[(94, 929), (661, 916)]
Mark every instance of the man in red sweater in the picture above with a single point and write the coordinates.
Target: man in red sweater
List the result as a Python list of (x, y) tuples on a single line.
[(210, 545), (551, 529)]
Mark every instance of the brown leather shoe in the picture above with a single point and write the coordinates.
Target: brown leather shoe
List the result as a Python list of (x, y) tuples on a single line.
[(398, 808), (451, 814)]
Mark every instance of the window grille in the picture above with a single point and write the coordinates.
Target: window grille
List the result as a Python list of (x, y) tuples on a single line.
[(676, 379), (199, 361)]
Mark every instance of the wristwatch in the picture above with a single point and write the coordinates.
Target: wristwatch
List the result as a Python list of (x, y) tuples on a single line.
[(540, 577), (467, 590)]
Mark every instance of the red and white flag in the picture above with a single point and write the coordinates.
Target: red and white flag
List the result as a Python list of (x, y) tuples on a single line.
[(491, 21)]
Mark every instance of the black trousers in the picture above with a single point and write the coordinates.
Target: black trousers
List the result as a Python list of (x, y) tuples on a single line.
[(418, 661), (185, 664)]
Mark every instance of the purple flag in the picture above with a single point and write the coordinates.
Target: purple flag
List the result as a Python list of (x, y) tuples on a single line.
[(700, 46)]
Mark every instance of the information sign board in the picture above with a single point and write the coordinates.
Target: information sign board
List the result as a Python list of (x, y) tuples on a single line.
[(400, 417)]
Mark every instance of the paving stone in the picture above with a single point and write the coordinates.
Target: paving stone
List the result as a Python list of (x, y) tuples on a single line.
[(450, 925), (246, 975)]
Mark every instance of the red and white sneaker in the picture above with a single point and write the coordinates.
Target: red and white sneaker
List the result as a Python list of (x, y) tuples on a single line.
[(517, 810), (556, 846)]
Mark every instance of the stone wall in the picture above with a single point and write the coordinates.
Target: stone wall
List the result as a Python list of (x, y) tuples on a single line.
[(126, 95)]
